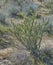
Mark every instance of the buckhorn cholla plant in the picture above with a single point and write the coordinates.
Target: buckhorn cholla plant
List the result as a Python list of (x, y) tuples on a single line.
[(30, 34)]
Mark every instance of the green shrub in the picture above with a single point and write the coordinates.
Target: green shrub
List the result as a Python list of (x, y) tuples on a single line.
[(30, 33)]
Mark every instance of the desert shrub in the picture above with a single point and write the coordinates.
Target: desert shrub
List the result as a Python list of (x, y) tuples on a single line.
[(49, 29), (31, 9), (48, 57), (16, 14), (3, 29), (51, 11), (20, 15), (21, 58), (41, 0), (30, 33), (49, 53), (4, 43), (19, 3), (2, 18), (13, 12), (49, 5)]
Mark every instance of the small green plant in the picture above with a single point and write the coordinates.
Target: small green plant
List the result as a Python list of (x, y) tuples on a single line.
[(30, 34)]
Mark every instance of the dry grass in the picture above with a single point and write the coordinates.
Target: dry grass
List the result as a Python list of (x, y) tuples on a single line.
[(4, 53)]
